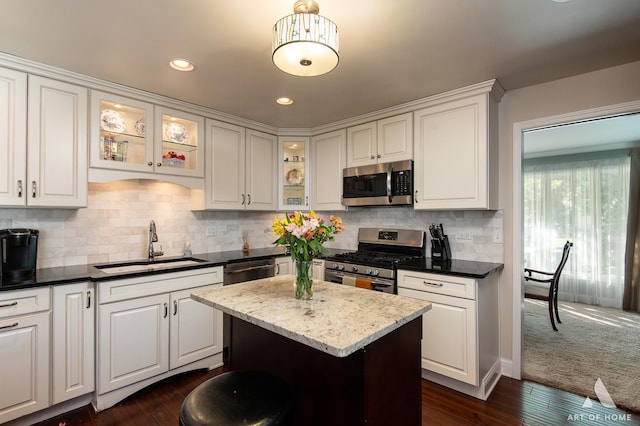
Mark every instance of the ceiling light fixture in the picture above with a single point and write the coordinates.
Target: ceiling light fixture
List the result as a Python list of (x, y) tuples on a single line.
[(305, 44), (284, 101), (181, 64)]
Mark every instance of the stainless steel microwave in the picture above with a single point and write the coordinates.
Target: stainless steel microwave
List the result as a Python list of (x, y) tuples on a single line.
[(383, 184)]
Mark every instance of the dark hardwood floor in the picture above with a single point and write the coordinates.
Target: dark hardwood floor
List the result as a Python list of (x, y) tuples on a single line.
[(512, 402)]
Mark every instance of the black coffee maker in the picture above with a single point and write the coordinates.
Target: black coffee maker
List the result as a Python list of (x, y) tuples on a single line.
[(18, 252)]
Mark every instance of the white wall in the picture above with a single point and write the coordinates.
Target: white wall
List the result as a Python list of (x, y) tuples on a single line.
[(582, 92), (115, 226)]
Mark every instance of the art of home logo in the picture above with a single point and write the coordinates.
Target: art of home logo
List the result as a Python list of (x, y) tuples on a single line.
[(607, 402)]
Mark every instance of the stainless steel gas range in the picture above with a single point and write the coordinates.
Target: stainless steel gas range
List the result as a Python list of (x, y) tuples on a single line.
[(380, 250)]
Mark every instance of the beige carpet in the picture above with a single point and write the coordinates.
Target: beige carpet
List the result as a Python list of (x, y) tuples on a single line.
[(592, 342)]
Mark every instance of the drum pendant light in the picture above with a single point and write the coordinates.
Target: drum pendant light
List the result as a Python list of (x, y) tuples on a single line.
[(305, 43)]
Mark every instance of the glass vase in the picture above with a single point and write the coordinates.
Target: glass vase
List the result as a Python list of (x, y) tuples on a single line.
[(304, 282)]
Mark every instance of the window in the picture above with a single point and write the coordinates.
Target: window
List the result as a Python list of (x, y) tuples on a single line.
[(582, 199)]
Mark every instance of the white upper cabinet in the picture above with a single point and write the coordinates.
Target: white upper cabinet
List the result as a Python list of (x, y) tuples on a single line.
[(121, 133), (139, 140), (13, 137), (179, 143), (456, 162), (382, 141), (293, 186), (328, 158), (240, 168), (56, 144)]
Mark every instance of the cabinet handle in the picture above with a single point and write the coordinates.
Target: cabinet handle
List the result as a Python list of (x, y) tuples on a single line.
[(277, 269), (15, 324), (175, 307), (88, 299), (159, 164), (306, 200), (242, 200), (166, 310), (8, 305), (33, 189), (372, 156), (20, 188), (432, 284), (415, 199), (150, 163), (379, 156), (249, 198)]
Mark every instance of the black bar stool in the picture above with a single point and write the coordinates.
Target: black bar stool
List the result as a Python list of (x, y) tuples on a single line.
[(239, 398)]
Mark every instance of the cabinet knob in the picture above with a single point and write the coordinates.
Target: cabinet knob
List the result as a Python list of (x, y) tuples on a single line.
[(379, 156), (159, 164), (373, 156), (33, 189), (20, 188), (150, 163)]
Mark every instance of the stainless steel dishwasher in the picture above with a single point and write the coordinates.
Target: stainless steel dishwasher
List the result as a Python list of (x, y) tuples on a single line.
[(239, 272)]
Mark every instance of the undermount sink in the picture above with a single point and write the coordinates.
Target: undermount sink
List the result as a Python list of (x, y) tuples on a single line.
[(146, 266)]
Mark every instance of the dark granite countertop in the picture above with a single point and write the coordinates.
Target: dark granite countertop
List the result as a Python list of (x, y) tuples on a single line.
[(461, 268), (71, 274)]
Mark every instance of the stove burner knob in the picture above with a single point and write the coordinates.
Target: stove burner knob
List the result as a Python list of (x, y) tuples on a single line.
[(375, 273), (334, 266), (340, 267), (354, 268), (368, 272)]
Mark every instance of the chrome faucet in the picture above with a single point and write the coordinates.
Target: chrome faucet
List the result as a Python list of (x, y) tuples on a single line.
[(153, 238)]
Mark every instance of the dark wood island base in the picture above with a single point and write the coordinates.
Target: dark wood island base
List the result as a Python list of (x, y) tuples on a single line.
[(377, 385)]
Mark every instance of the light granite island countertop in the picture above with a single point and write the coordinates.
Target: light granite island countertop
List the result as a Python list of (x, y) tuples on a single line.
[(343, 352), (339, 320)]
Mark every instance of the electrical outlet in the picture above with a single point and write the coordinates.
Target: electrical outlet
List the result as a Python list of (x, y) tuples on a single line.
[(465, 236), (497, 236)]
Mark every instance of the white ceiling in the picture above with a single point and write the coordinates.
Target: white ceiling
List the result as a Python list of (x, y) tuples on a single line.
[(392, 51)]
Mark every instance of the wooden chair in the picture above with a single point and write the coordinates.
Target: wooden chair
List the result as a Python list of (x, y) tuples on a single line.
[(549, 291)]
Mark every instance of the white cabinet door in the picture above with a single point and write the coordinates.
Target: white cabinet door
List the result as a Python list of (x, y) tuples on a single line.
[(449, 343), (395, 138), (196, 329), (57, 144), (133, 342), (454, 147), (382, 141), (293, 173), (73, 356), (284, 266), (317, 269), (182, 134), (24, 357), (224, 168), (261, 184), (13, 138), (362, 145), (328, 159)]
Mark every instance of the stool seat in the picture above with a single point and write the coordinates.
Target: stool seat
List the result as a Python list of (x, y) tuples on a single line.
[(239, 398)]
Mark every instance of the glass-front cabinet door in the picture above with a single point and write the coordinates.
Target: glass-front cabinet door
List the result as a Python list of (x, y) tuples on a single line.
[(179, 143), (121, 133), (293, 154)]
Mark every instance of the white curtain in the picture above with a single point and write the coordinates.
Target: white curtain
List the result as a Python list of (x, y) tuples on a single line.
[(585, 201)]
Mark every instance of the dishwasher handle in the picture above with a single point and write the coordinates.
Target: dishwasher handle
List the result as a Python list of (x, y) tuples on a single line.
[(249, 268)]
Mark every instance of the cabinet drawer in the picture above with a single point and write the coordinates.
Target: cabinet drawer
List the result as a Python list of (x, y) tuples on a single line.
[(439, 284), (20, 302), (131, 288)]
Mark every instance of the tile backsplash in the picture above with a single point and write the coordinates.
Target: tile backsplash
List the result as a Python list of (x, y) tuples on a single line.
[(115, 225)]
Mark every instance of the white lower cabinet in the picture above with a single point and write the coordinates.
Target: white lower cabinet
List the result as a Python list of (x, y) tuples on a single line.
[(149, 328), (317, 270), (73, 344), (24, 352), (460, 334), (284, 266)]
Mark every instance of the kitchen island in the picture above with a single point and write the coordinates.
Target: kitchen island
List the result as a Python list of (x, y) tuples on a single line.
[(351, 355)]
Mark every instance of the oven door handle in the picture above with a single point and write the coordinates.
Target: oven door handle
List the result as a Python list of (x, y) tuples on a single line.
[(250, 268)]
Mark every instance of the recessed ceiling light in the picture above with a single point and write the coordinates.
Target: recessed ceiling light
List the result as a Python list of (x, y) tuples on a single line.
[(181, 64), (284, 101)]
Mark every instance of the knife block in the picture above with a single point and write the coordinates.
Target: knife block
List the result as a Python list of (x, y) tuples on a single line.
[(440, 250)]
